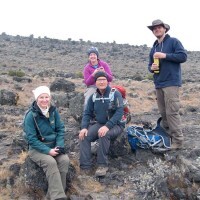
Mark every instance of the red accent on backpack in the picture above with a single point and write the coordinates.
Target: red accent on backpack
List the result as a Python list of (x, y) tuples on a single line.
[(126, 110), (127, 115), (121, 89)]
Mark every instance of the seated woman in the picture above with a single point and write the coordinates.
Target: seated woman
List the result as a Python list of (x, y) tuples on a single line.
[(45, 134), (93, 66)]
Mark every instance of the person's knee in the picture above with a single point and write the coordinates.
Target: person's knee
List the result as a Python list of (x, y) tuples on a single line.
[(51, 162), (63, 163), (104, 138), (83, 143), (173, 106), (87, 139), (114, 133), (51, 166), (65, 160)]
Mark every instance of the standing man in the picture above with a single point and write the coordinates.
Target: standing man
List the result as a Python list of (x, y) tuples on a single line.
[(169, 53), (108, 126)]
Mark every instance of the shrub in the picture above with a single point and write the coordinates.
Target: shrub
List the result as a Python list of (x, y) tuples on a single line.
[(149, 77), (79, 74), (137, 76), (17, 73)]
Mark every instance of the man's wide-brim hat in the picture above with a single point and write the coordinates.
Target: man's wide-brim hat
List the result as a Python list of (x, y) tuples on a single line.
[(159, 22)]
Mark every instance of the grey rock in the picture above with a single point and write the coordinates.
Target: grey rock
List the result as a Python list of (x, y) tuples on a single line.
[(8, 97), (33, 177), (76, 106), (62, 85)]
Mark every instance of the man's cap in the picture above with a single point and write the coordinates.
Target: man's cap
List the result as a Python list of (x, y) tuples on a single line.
[(100, 74)]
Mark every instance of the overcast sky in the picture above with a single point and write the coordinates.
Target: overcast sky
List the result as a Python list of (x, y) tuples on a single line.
[(122, 21)]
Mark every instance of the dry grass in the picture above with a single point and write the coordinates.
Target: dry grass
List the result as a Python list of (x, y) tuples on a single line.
[(26, 95), (92, 185), (138, 106), (22, 157), (141, 103), (88, 185), (118, 190), (4, 194), (4, 174), (75, 163), (21, 190), (191, 100)]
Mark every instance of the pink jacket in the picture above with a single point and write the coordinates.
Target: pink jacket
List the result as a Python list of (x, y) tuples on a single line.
[(89, 69)]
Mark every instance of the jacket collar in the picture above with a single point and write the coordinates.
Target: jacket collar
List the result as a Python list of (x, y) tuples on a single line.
[(107, 91), (35, 108), (90, 65), (164, 39)]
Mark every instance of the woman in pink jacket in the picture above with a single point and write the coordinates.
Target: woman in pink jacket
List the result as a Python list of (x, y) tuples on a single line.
[(91, 68)]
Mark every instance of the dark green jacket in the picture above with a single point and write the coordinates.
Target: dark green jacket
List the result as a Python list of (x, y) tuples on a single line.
[(51, 129)]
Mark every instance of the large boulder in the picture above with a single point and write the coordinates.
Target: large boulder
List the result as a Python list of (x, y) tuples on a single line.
[(34, 178), (62, 85), (120, 146), (76, 106), (8, 98)]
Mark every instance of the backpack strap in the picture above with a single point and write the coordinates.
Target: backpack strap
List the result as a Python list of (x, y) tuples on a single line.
[(112, 94), (158, 122), (110, 97), (94, 97), (39, 134)]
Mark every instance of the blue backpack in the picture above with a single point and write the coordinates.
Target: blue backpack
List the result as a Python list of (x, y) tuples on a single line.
[(154, 139)]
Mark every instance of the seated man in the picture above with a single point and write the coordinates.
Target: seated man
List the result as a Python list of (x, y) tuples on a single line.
[(108, 125)]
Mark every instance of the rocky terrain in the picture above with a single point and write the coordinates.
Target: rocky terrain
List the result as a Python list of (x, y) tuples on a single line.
[(27, 62)]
